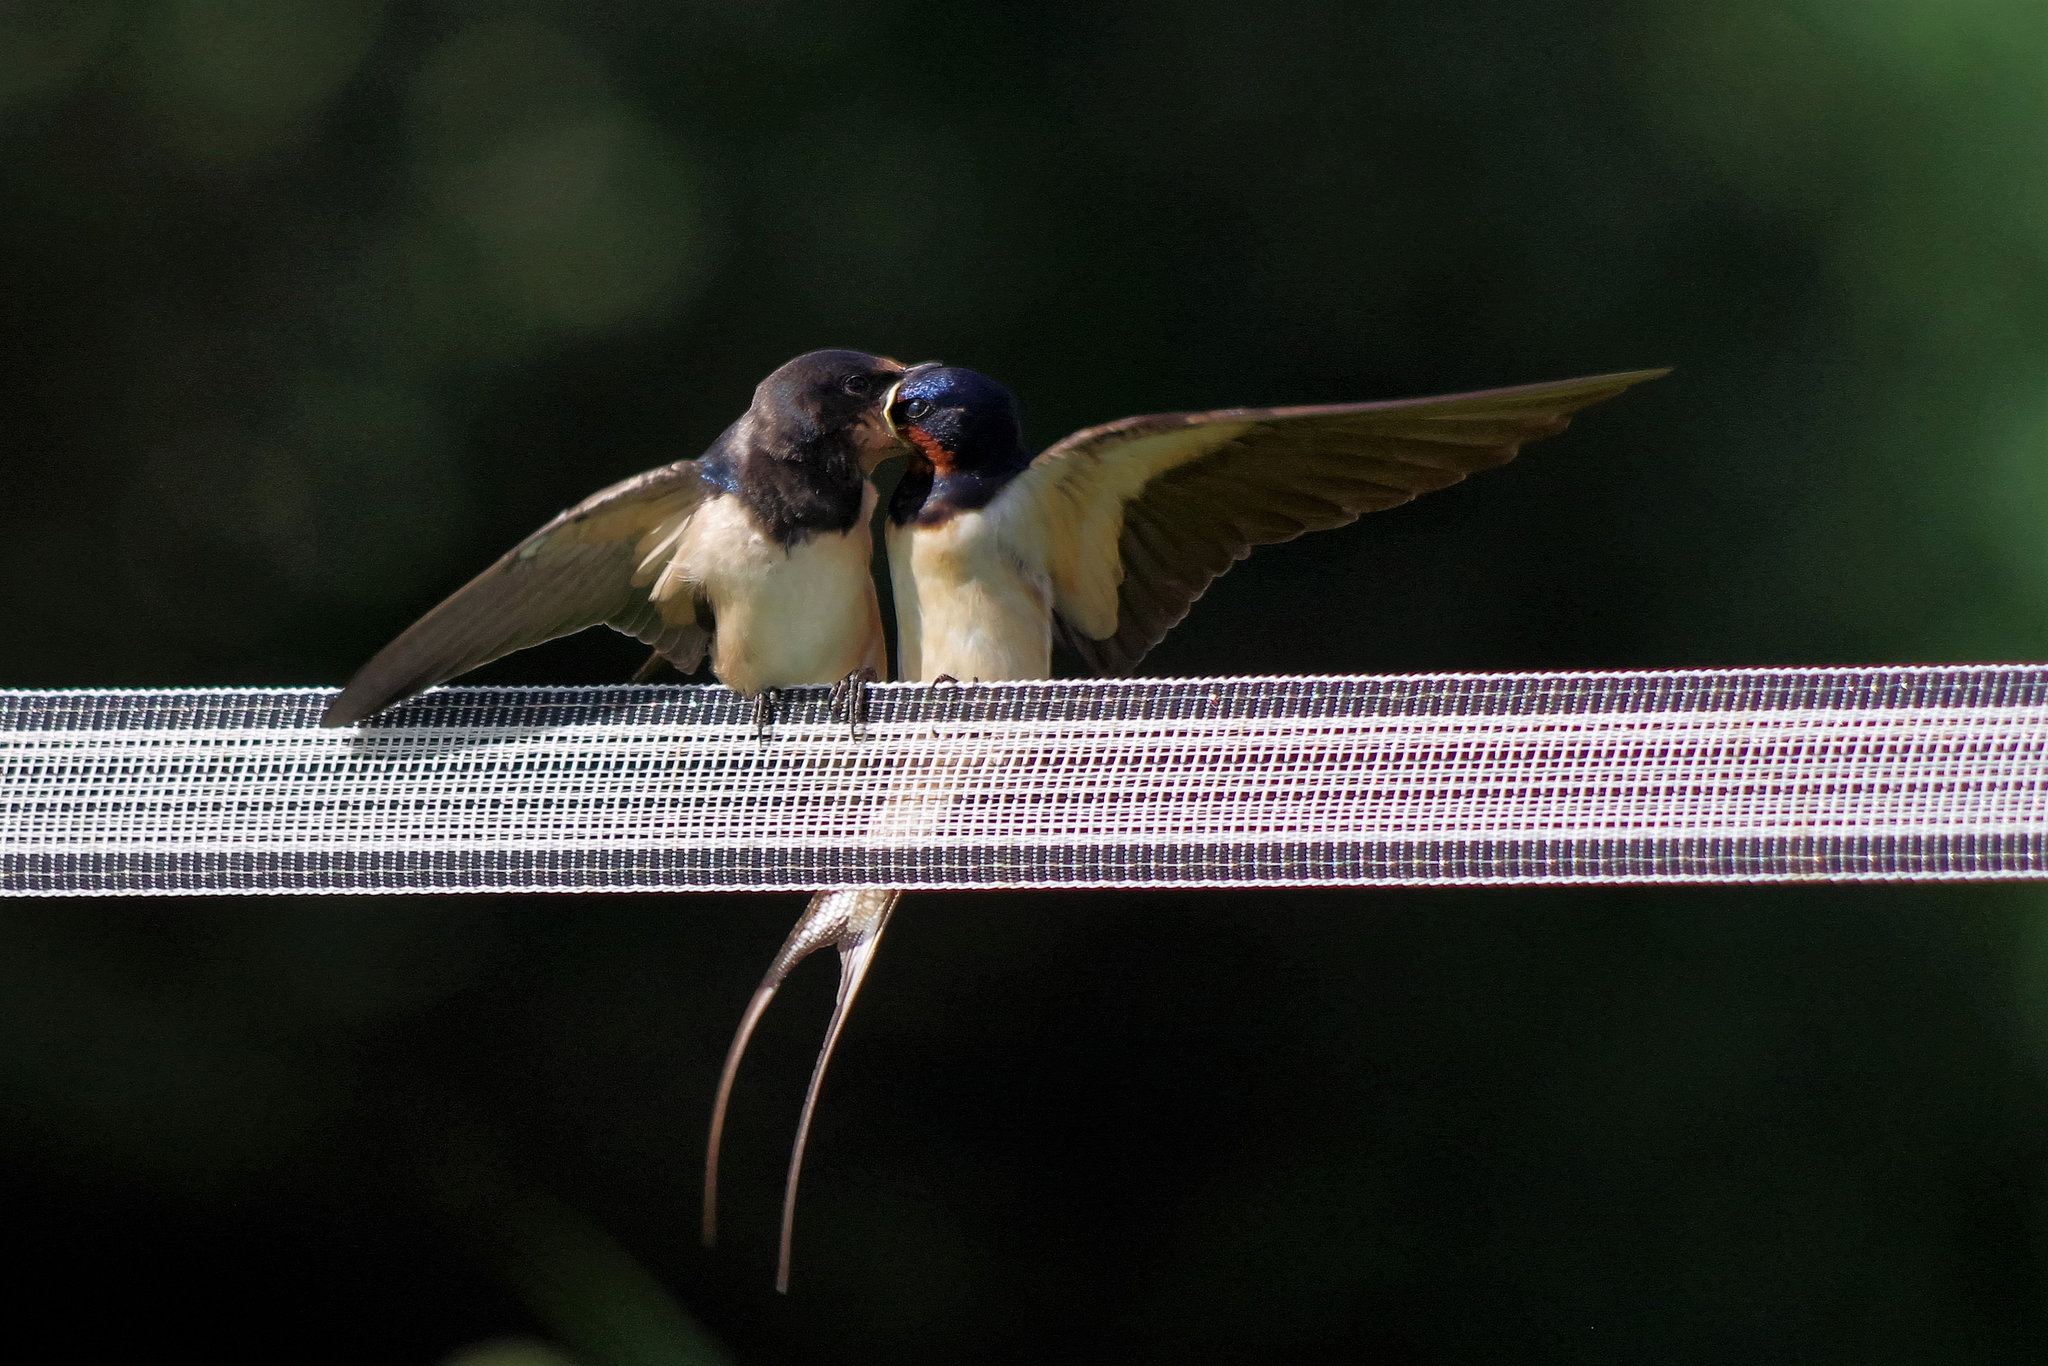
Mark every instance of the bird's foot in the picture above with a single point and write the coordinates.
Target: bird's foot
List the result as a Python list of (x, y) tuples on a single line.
[(850, 699), (952, 688), (765, 703)]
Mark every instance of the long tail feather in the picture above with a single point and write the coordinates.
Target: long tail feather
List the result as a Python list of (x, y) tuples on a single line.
[(851, 920), (763, 994), (866, 916)]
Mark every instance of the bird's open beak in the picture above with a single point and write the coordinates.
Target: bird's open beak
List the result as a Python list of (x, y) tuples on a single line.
[(889, 399)]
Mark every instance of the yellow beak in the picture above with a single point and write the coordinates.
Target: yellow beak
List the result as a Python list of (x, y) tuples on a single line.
[(889, 399)]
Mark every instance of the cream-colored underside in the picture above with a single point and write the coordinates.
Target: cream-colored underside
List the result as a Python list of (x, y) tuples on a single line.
[(973, 599), (785, 617), (975, 594)]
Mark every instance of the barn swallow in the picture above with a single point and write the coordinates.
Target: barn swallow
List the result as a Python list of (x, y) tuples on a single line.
[(755, 552), (1105, 539)]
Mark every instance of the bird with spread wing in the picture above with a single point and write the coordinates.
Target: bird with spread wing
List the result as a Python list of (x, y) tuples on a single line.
[(755, 553), (1102, 542)]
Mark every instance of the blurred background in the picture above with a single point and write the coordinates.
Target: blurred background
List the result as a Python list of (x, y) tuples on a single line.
[(312, 307)]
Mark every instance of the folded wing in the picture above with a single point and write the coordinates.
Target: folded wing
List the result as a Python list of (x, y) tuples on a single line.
[(604, 560), (1141, 515)]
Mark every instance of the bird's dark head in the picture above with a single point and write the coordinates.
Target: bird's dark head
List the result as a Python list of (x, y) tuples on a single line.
[(965, 442), (828, 399), (801, 456)]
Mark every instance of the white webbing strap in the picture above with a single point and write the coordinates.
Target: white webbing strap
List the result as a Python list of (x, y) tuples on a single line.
[(1694, 776)]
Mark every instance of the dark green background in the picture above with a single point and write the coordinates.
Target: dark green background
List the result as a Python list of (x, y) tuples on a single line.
[(311, 307)]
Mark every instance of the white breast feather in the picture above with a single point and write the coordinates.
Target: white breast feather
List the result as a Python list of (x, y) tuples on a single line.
[(785, 617), (973, 597)]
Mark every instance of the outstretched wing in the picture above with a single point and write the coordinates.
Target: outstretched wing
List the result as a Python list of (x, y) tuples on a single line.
[(1141, 515), (601, 561)]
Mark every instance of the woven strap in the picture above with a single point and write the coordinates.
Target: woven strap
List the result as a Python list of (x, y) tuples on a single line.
[(1710, 776)]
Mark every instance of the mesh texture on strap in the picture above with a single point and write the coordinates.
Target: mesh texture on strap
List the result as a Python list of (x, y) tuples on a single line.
[(1687, 776)]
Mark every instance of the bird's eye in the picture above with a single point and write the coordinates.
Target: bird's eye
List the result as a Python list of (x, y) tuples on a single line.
[(860, 386), (917, 408)]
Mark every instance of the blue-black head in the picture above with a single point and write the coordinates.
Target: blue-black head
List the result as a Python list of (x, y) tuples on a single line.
[(965, 439)]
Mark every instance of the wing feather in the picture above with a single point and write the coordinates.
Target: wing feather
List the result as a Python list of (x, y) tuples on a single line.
[(602, 561), (1141, 515)]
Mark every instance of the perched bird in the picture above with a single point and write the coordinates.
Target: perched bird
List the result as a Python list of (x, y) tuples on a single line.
[(1104, 541), (756, 552), (1106, 538)]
